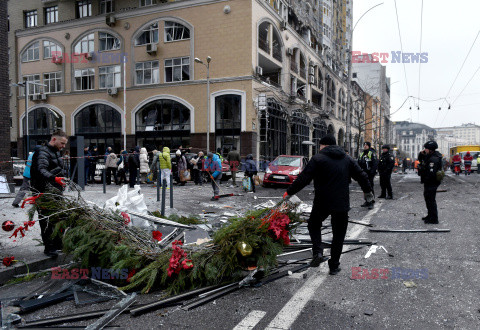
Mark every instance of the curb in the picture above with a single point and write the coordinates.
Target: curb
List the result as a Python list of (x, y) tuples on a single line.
[(43, 263)]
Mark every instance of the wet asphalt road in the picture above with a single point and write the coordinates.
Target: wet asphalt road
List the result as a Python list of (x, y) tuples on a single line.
[(448, 298)]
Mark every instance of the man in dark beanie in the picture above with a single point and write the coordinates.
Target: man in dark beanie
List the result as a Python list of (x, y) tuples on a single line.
[(386, 164), (331, 170), (431, 173)]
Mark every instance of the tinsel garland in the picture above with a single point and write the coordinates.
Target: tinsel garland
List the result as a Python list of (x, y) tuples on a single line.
[(101, 238)]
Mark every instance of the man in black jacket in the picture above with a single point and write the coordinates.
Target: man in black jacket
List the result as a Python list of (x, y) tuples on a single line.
[(48, 176), (385, 167), (430, 171), (368, 163), (331, 170)]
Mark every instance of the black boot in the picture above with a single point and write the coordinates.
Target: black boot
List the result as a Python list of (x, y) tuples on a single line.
[(317, 260)]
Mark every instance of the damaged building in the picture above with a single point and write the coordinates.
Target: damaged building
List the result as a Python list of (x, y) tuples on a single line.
[(113, 68)]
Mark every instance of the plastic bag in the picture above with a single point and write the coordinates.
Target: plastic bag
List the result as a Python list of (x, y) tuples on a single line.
[(247, 184), (184, 175), (150, 178)]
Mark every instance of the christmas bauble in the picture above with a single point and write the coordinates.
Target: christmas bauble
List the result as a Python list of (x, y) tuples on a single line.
[(8, 225), (244, 248)]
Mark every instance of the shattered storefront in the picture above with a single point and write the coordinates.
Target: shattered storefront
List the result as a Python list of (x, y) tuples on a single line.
[(273, 130), (299, 133), (319, 131)]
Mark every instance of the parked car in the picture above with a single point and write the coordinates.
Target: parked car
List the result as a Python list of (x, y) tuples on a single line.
[(284, 170)]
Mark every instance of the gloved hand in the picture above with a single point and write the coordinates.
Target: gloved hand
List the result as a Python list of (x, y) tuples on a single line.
[(368, 197), (60, 180), (285, 195)]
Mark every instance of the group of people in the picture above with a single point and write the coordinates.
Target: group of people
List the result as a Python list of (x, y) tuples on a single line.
[(467, 162), (332, 170)]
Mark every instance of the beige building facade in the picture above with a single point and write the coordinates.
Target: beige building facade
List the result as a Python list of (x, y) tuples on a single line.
[(101, 68)]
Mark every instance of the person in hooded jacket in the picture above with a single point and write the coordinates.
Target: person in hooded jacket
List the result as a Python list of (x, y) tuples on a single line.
[(181, 166), (143, 165), (457, 161), (250, 170), (430, 173), (330, 170), (165, 165), (467, 161), (214, 167)]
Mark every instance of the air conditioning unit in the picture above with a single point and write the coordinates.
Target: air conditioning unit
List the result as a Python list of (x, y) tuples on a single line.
[(112, 91), (283, 25), (34, 97), (110, 20), (57, 59), (152, 48), (311, 70), (89, 56), (311, 80), (42, 97), (259, 70), (290, 51)]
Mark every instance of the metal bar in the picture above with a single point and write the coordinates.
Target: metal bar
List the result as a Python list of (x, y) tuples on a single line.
[(160, 220), (31, 305), (283, 273), (360, 223), (410, 230), (162, 303), (113, 313), (216, 290), (164, 193), (298, 251), (202, 301)]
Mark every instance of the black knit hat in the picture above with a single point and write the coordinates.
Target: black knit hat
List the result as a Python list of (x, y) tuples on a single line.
[(386, 146), (328, 140), (368, 144), (431, 145)]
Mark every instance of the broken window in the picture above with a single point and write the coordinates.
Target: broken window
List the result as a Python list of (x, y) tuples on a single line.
[(147, 73), (319, 131), (148, 36), (42, 122), (263, 37), (84, 79), (273, 130), (108, 42), (164, 115), (300, 132), (98, 119), (176, 31), (86, 44), (177, 69)]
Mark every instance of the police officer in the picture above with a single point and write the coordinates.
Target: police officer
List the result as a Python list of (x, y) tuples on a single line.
[(368, 163), (331, 170), (386, 164), (431, 175)]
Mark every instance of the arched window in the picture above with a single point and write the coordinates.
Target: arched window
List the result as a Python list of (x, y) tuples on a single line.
[(269, 40), (264, 37), (86, 44), (228, 109), (319, 131), (273, 130), (51, 49), (42, 122), (148, 36), (32, 53), (176, 31), (108, 42), (100, 125), (162, 122), (300, 132)]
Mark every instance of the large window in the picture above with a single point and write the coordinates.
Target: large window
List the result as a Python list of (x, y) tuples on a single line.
[(34, 87), (84, 79), (84, 8), (53, 82), (110, 76), (107, 6), (175, 31), (42, 122), (177, 69), (148, 36), (50, 48), (273, 130), (86, 44), (32, 53), (97, 118), (228, 110), (299, 132), (51, 15), (163, 122), (108, 42), (31, 18), (147, 73)]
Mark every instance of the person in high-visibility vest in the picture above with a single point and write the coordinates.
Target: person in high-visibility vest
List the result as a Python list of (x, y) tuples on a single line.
[(457, 161), (467, 161), (478, 163)]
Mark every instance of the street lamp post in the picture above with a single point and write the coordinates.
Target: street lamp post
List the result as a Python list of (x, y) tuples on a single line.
[(208, 97), (348, 128)]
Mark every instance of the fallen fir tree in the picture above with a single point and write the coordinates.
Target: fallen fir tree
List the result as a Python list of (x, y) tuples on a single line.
[(102, 238)]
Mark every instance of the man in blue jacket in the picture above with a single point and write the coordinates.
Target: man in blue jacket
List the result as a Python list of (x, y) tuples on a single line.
[(214, 167)]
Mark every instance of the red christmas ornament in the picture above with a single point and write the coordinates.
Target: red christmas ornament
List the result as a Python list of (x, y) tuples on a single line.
[(8, 225)]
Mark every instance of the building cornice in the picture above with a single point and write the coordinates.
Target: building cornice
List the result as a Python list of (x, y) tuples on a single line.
[(135, 12)]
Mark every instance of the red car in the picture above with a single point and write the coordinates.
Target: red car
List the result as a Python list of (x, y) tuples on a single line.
[(284, 170)]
